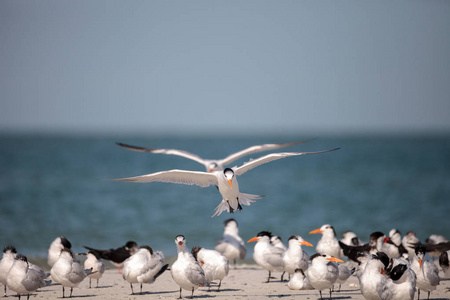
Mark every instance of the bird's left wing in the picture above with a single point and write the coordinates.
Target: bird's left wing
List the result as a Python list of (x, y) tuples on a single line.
[(202, 179), (254, 149), (271, 157)]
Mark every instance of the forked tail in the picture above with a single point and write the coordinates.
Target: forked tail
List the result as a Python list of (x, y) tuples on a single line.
[(244, 199)]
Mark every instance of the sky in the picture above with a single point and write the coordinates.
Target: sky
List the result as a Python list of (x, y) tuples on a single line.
[(230, 67)]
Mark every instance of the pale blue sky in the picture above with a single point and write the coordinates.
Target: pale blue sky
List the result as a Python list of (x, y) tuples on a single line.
[(225, 66)]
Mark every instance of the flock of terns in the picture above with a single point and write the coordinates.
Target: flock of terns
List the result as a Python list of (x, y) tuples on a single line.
[(387, 267)]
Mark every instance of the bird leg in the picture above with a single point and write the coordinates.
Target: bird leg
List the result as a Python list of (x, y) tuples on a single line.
[(71, 290), (330, 294), (63, 291), (192, 295), (180, 294), (239, 204), (90, 282), (429, 292), (229, 206), (132, 292), (97, 282), (5, 291), (268, 278), (220, 283), (282, 275), (320, 292), (141, 289)]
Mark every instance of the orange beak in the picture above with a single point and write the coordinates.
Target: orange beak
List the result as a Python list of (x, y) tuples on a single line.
[(253, 239), (180, 244), (210, 170), (305, 243), (229, 181), (383, 271), (420, 263), (335, 259), (202, 263), (316, 231)]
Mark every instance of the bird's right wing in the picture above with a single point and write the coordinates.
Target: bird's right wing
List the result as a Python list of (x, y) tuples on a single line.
[(202, 179), (256, 148), (271, 157), (182, 153)]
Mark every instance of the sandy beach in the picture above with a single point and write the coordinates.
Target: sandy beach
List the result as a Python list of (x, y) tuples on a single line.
[(244, 282)]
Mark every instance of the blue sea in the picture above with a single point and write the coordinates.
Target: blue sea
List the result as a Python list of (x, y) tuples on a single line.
[(53, 185)]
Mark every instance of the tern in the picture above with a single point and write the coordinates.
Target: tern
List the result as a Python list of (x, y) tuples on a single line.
[(323, 272), (55, 249), (231, 244), (67, 271), (294, 257), (214, 264), (213, 164), (344, 274), (444, 263), (402, 283), (373, 278), (143, 267), (410, 241), (433, 240), (299, 281), (266, 255), (24, 279), (278, 242), (9, 253), (328, 243), (186, 271), (93, 261), (426, 271), (225, 180), (117, 255)]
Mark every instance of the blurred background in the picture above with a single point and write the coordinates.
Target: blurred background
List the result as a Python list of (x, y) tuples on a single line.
[(213, 78)]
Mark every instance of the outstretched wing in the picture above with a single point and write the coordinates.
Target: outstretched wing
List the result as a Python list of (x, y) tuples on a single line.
[(202, 179), (254, 149), (182, 153), (271, 157)]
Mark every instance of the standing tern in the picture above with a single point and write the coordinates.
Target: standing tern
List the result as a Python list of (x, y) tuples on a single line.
[(323, 272), (225, 180), (266, 255), (93, 261), (444, 263), (426, 271), (231, 244), (143, 267), (117, 255), (278, 242), (67, 271), (402, 281), (299, 281), (55, 249), (213, 164), (373, 278), (328, 243), (214, 264), (9, 253), (294, 257), (186, 271), (24, 279)]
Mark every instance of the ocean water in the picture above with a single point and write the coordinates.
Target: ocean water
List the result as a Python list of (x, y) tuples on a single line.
[(54, 185)]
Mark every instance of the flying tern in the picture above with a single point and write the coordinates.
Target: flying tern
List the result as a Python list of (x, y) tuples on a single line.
[(212, 164), (225, 180)]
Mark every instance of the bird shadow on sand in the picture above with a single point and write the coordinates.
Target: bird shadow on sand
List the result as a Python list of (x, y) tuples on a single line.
[(153, 293), (223, 290)]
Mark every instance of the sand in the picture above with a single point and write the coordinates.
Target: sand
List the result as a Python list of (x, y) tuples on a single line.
[(244, 282)]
